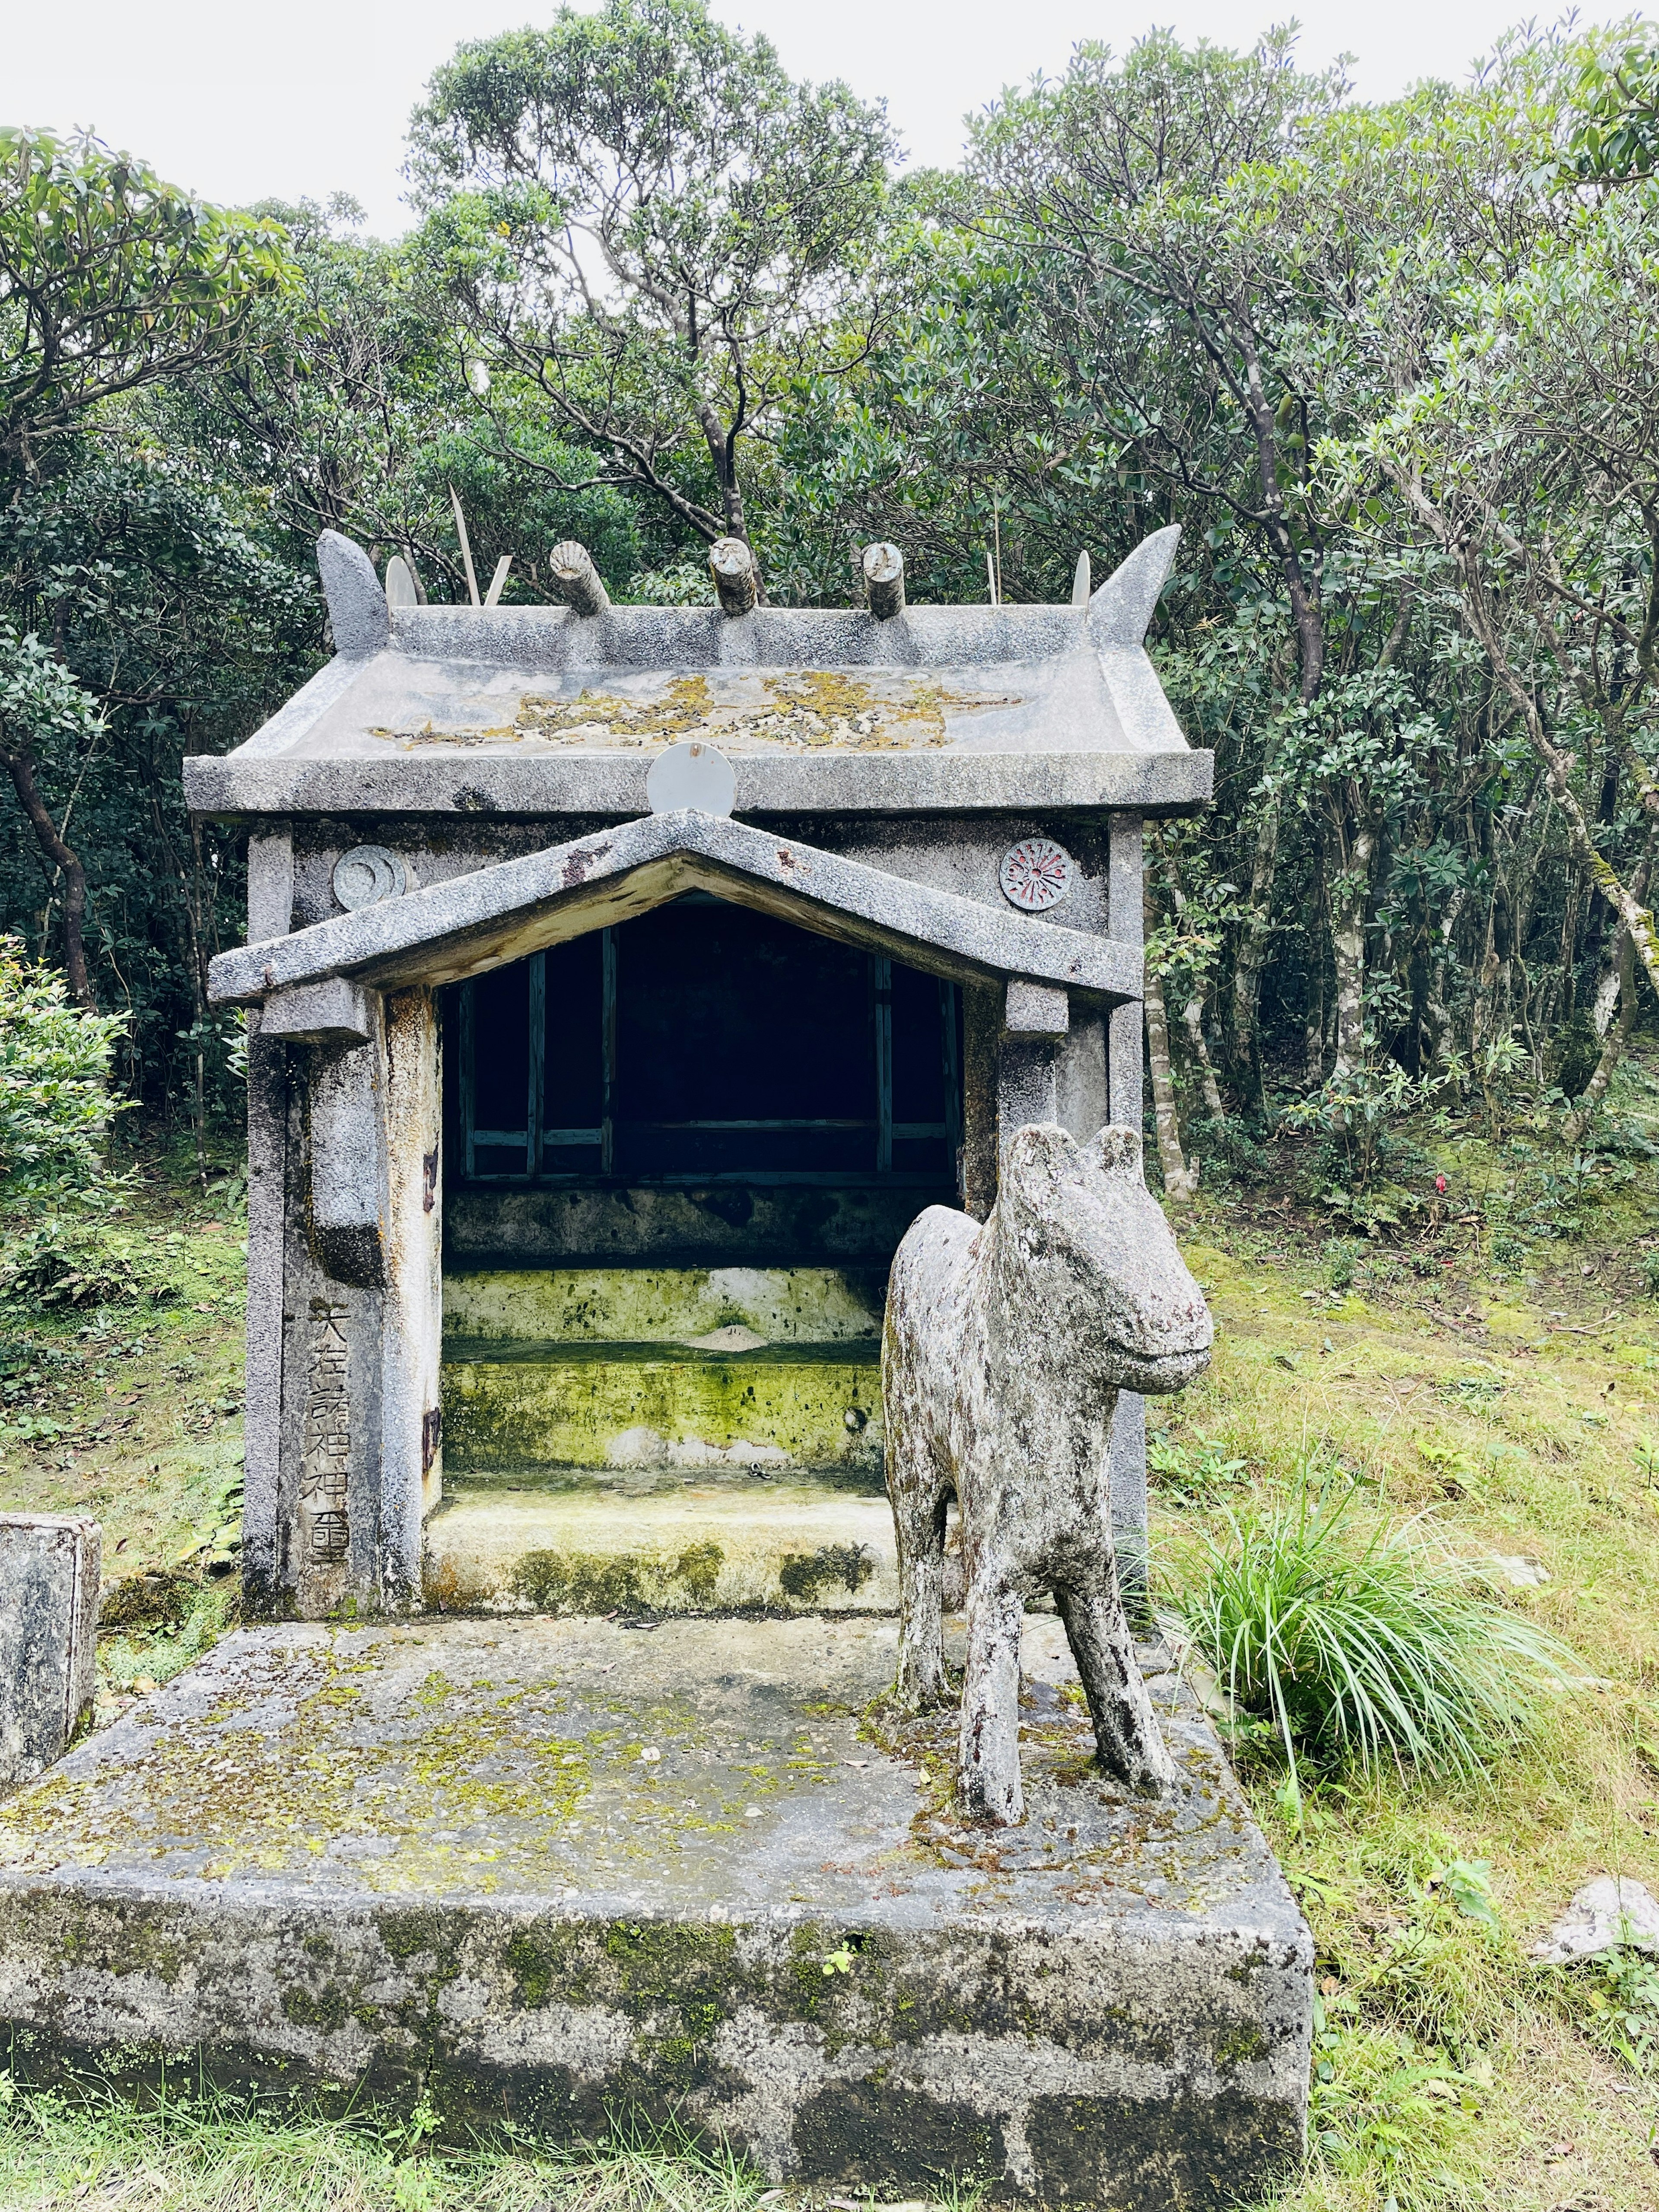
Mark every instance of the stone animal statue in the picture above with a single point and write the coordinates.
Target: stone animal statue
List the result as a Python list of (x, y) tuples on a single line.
[(1005, 1348)]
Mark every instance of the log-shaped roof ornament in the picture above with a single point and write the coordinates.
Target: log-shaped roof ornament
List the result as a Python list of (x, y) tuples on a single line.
[(575, 578), (883, 580), (737, 580)]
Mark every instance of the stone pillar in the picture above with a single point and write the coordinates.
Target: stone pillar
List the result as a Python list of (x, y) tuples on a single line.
[(342, 1447), (49, 1571), (361, 1449), (982, 1043), (269, 914), (1036, 1026), (1125, 1084), (411, 1418)]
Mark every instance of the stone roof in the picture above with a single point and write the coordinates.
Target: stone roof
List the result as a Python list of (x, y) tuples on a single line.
[(534, 710)]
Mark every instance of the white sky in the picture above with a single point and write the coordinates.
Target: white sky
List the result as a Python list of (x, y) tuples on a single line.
[(312, 97)]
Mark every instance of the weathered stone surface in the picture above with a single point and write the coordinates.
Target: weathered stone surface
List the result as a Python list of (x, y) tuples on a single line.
[(1036, 1010), (1005, 1348), (664, 1305), (432, 1859), (333, 1013), (498, 913), (260, 780), (660, 1536), (1606, 1914), (646, 1224), (49, 1574), (518, 1408), (357, 611)]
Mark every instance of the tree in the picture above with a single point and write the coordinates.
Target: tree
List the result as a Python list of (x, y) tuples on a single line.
[(1519, 335), (110, 280), (645, 221), (41, 706)]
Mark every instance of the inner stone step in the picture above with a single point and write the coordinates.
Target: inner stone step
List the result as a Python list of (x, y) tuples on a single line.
[(598, 1545), (662, 1440), (513, 1407)]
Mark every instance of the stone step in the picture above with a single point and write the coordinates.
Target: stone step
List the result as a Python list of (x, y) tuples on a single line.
[(602, 1541), (664, 1305), (732, 1402)]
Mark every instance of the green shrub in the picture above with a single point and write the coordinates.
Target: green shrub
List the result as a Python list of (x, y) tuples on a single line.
[(1361, 1647), (54, 1084), (1339, 1256), (55, 1188), (1194, 1473)]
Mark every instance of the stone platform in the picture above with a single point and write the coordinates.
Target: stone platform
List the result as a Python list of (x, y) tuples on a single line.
[(557, 1871)]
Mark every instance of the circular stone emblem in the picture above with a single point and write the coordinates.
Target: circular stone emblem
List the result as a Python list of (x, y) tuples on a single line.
[(368, 874), (1036, 874)]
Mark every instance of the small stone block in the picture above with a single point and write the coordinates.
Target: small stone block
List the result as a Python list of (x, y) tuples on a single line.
[(1036, 1010), (332, 1012), (49, 1572)]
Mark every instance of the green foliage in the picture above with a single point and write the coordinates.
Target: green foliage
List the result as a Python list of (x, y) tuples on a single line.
[(205, 2152), (54, 1086), (110, 279), (1613, 133), (732, 212), (1623, 2001), (1381, 2112), (1361, 1646), (1196, 1474)]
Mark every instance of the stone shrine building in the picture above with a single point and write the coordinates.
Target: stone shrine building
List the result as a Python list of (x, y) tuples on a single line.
[(622, 982)]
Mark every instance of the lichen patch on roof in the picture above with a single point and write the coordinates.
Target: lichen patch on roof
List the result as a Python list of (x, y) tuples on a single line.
[(803, 708)]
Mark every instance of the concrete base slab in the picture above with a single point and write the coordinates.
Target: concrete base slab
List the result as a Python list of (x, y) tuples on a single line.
[(560, 1871)]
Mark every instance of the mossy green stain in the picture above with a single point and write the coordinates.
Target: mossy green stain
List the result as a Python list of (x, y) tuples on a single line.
[(1242, 2045), (517, 1412)]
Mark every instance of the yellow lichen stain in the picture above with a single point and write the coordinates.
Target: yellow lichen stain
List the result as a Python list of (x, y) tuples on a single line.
[(806, 708), (441, 1781)]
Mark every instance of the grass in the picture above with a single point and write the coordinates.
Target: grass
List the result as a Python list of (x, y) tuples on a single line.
[(202, 2156), (1360, 1646), (1490, 1377)]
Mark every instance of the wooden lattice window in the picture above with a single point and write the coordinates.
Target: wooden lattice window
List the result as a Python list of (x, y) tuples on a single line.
[(703, 1042)]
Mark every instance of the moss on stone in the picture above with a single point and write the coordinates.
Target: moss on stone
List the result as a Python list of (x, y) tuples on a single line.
[(585, 1407)]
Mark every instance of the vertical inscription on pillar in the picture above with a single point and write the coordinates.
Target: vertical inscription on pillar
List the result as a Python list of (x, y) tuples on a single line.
[(325, 1453)]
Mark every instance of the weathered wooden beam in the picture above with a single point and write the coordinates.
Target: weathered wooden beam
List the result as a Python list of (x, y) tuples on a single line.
[(575, 578), (731, 565), (884, 580)]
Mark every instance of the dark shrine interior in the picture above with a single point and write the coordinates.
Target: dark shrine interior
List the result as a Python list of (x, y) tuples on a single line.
[(705, 1043)]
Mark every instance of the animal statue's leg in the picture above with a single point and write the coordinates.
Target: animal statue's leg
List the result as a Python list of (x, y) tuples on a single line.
[(987, 1756), (919, 1530), (1127, 1736)]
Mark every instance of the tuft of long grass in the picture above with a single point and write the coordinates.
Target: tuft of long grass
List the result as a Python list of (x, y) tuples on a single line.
[(1358, 1646)]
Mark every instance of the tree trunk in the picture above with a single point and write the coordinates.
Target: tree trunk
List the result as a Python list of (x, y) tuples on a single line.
[(1180, 1181), (1350, 900), (21, 767), (1192, 1015), (1576, 1124), (1252, 956), (1617, 1035)]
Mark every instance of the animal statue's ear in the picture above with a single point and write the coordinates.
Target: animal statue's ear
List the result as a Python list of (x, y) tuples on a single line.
[(1117, 1150)]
